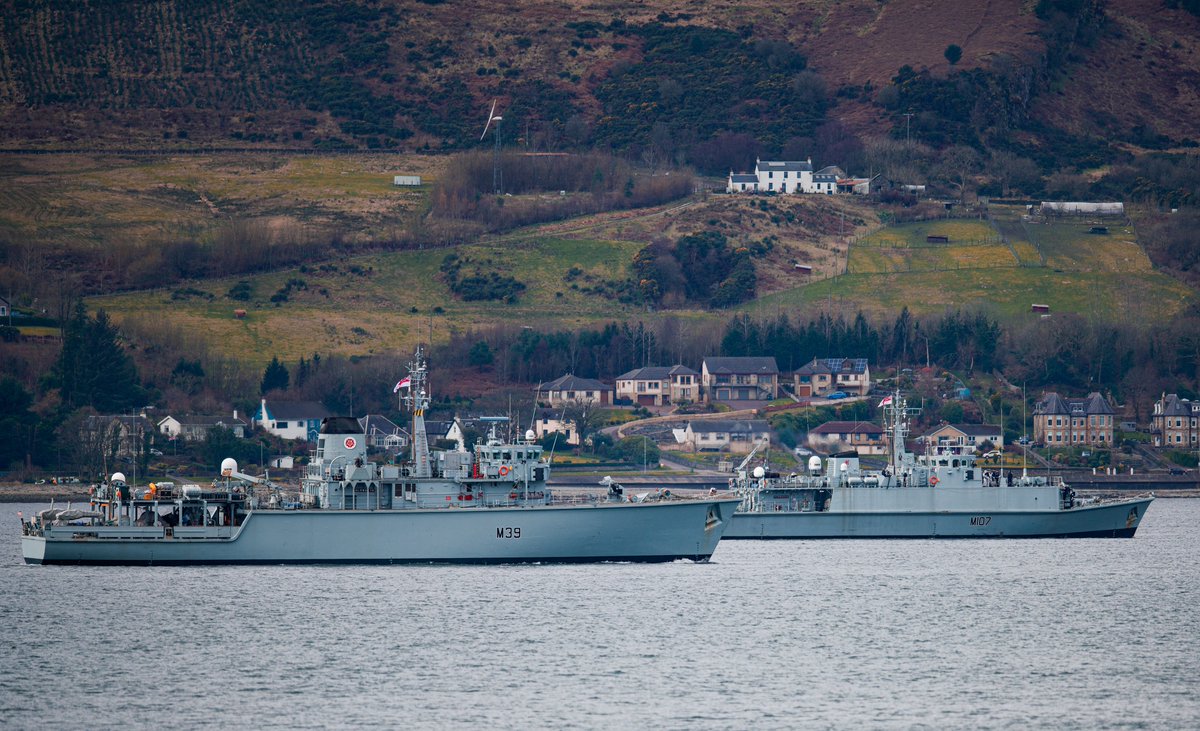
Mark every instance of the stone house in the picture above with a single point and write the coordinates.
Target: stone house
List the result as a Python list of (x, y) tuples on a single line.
[(1059, 421), (659, 385)]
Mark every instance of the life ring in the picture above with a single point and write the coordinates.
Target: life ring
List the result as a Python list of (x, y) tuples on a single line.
[(933, 481), (503, 470)]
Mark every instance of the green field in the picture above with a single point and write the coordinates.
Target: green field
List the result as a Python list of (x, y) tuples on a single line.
[(957, 230), (373, 311)]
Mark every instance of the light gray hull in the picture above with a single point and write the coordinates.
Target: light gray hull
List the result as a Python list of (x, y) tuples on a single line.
[(643, 532), (1116, 520)]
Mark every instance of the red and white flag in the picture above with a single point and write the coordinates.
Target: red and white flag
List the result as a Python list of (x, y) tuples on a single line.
[(886, 400), (403, 383)]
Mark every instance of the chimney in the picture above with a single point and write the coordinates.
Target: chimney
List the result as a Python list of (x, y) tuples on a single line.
[(235, 413)]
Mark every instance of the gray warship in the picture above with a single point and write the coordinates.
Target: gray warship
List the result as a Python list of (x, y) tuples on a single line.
[(919, 496), (489, 505)]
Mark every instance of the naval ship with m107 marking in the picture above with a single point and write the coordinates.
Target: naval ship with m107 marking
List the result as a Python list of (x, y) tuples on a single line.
[(919, 496), (490, 505)]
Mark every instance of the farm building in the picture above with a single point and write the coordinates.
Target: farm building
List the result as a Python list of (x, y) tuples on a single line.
[(407, 180)]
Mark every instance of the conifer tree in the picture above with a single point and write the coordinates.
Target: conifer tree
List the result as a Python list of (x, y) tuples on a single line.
[(275, 377)]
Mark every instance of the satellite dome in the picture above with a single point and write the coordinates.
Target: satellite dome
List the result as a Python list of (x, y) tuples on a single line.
[(530, 435), (814, 463), (118, 477), (759, 472), (228, 466)]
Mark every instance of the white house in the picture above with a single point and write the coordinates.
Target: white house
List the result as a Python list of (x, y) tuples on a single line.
[(784, 176), (963, 438), (741, 183), (291, 419), (723, 435), (659, 385), (195, 428), (546, 423)]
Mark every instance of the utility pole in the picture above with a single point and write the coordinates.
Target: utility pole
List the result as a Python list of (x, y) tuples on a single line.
[(907, 119)]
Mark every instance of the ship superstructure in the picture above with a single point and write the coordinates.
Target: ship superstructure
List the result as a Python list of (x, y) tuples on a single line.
[(919, 496), (487, 505)]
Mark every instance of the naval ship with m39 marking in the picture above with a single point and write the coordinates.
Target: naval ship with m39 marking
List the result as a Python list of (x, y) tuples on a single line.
[(919, 496), (489, 505)]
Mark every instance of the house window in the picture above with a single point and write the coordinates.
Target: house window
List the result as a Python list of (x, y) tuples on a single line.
[(281, 425), (641, 387)]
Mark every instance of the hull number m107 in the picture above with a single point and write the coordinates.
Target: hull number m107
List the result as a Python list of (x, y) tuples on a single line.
[(981, 520), (508, 532)]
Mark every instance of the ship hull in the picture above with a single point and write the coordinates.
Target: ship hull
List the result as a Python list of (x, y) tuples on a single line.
[(1111, 520), (654, 532)]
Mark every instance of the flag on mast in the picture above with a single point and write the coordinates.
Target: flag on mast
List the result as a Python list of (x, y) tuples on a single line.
[(886, 400), (403, 383)]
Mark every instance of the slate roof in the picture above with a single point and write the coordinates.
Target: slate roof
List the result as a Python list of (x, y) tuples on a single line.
[(743, 178), (834, 365), (792, 166), (831, 170), (848, 427), (824, 178), (970, 430), (1175, 406), (203, 420), (296, 410), (760, 365), (572, 382), (731, 426), (1053, 404), (656, 373)]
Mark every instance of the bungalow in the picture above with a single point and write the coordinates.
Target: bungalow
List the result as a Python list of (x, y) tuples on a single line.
[(571, 389), (1059, 421), (963, 438), (659, 385), (547, 423), (741, 182), (1176, 422), (740, 379), (195, 428), (723, 435), (381, 432), (825, 375), (836, 436), (291, 419)]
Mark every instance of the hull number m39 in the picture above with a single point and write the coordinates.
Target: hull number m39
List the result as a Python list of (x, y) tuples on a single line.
[(508, 532), (981, 520)]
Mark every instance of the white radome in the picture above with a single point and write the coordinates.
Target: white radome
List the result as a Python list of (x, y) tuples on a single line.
[(118, 477), (228, 466)]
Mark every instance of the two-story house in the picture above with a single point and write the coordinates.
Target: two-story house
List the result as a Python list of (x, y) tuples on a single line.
[(823, 376), (837, 436), (195, 428), (963, 438), (1059, 421), (736, 436), (659, 385), (547, 423), (1176, 422), (740, 379), (291, 419), (122, 435), (571, 389)]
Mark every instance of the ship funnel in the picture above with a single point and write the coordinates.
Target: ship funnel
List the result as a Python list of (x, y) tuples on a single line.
[(228, 467)]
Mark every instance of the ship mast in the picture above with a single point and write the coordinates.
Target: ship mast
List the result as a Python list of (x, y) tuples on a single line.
[(418, 400)]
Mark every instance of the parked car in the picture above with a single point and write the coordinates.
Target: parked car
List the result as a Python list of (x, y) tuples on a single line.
[(1177, 471), (156, 452), (837, 395)]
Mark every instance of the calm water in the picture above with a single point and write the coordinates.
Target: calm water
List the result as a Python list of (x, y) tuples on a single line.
[(1066, 634)]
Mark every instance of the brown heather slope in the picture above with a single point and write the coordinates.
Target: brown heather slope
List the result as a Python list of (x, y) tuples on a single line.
[(196, 66)]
